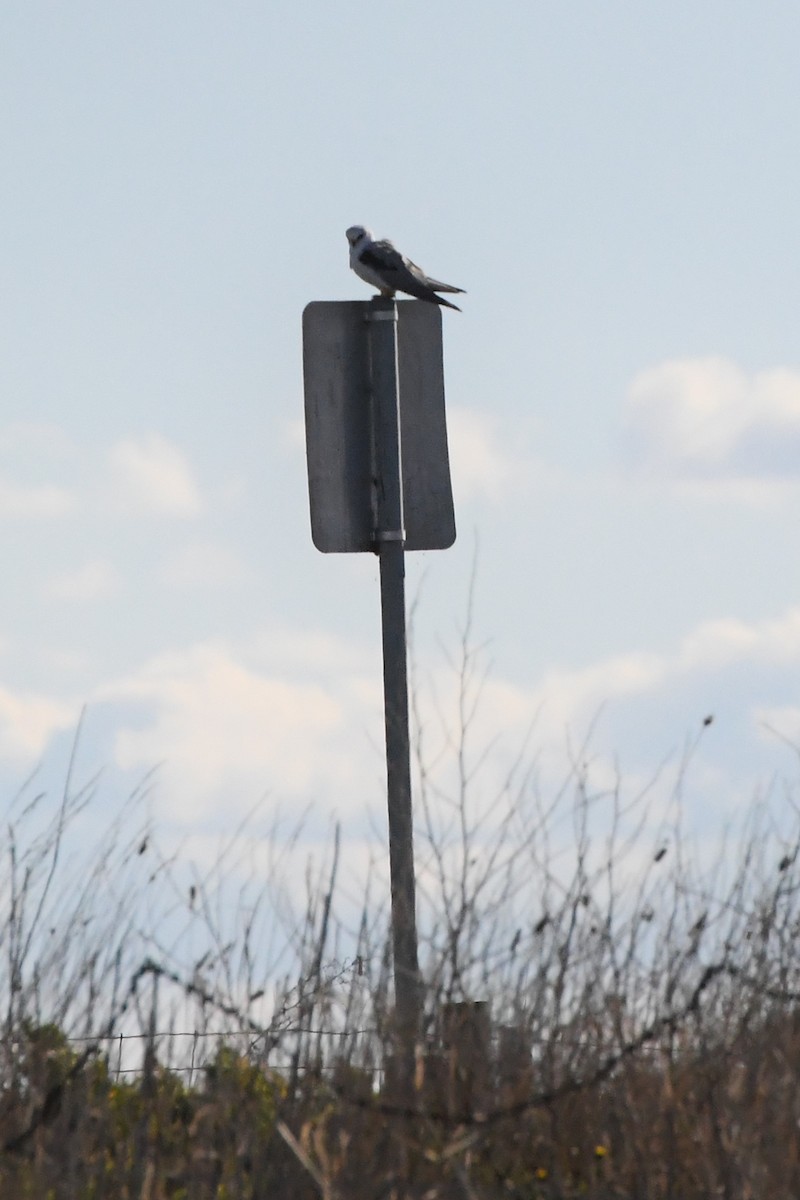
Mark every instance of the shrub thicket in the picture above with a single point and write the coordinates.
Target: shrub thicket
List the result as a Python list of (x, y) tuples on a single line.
[(604, 1016)]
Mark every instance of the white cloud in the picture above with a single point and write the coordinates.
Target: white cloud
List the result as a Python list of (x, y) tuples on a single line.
[(690, 411), (772, 642), (27, 723), (42, 501), (480, 464), (709, 422), (226, 733), (707, 652), (299, 717), (93, 581), (150, 475), (633, 721)]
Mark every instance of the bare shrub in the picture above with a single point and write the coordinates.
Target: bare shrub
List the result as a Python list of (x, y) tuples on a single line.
[(608, 1013)]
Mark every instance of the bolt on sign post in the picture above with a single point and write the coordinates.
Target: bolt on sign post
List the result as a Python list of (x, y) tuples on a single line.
[(379, 480)]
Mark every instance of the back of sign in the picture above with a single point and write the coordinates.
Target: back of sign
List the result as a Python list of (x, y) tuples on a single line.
[(339, 427)]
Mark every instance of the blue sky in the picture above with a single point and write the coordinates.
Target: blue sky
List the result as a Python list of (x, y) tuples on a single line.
[(617, 189)]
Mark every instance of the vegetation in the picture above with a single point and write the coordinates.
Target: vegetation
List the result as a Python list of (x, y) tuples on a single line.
[(605, 1015)]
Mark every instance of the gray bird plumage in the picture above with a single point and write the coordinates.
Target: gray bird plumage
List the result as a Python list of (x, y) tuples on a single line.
[(384, 267)]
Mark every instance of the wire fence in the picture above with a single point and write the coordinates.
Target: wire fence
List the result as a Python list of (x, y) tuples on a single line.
[(191, 1051)]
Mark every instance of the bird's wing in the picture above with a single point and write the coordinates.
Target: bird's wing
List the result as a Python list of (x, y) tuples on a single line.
[(400, 272), (434, 284), (383, 258)]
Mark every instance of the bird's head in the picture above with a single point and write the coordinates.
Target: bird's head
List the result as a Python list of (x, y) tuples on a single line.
[(357, 233)]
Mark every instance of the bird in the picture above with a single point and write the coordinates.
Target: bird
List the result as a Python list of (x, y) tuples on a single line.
[(382, 265)]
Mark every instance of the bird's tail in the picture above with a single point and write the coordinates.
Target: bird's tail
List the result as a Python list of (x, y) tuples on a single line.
[(446, 303), (443, 287)]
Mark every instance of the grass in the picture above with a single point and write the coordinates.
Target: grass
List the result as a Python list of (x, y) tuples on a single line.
[(605, 1014)]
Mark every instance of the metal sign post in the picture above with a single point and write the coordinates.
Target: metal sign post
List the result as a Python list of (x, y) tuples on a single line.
[(379, 480), (390, 540)]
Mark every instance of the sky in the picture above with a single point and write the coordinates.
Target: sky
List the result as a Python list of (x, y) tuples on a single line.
[(616, 187)]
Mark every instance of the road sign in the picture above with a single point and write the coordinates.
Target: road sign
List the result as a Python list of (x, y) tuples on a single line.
[(340, 426), (379, 479)]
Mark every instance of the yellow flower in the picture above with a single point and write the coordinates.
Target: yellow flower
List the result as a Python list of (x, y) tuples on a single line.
[(600, 1151), (541, 1172)]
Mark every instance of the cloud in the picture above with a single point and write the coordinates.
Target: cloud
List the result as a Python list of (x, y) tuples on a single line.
[(150, 475), (27, 723), (481, 466), (299, 716), (772, 642), (93, 581), (706, 420), (227, 732), (633, 721), (43, 502), (755, 656)]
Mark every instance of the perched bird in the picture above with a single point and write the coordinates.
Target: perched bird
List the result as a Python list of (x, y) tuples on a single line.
[(379, 264)]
